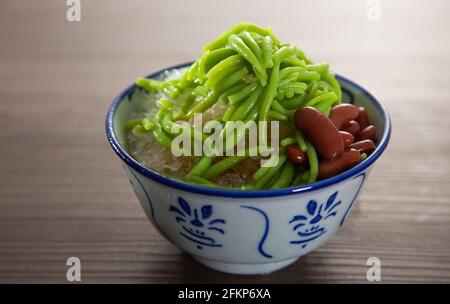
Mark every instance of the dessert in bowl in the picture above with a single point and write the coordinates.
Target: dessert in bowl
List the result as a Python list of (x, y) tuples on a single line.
[(237, 205)]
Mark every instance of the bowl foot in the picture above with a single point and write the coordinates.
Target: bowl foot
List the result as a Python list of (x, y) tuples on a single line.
[(247, 269)]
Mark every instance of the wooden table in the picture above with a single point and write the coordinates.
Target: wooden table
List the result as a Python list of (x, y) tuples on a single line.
[(63, 192)]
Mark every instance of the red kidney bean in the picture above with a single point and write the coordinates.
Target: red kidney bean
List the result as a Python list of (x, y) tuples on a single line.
[(346, 160), (367, 133), (363, 146), (322, 133), (363, 118), (343, 113), (348, 138), (295, 154), (351, 127)]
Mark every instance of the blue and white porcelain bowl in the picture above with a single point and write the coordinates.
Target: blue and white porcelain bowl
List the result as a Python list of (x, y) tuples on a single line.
[(248, 232)]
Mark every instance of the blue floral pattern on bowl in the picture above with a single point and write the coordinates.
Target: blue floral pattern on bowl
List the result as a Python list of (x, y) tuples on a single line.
[(309, 225), (197, 224)]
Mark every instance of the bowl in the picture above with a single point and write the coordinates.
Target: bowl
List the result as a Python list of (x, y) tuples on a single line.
[(247, 232)]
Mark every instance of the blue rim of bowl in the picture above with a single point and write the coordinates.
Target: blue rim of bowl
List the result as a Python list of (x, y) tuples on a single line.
[(124, 156)]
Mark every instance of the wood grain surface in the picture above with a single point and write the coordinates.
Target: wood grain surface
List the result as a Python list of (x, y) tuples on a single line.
[(63, 192)]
